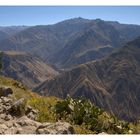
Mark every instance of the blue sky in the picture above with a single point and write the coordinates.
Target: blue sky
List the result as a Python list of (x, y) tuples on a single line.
[(44, 15)]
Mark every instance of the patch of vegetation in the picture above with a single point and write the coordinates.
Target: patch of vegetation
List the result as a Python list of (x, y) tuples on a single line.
[(45, 107), (19, 90), (83, 113), (85, 117)]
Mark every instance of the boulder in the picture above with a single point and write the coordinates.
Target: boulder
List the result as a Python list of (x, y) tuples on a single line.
[(8, 117), (25, 121), (26, 126), (6, 101), (31, 113), (5, 91), (22, 125), (2, 116), (32, 116), (5, 104), (55, 128), (3, 128)]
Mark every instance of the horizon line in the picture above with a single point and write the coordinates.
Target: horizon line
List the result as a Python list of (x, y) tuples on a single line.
[(63, 20)]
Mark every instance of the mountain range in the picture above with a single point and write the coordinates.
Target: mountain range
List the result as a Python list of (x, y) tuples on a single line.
[(112, 83), (78, 40), (26, 68), (95, 59)]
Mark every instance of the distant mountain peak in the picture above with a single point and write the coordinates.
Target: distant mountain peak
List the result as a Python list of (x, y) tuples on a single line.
[(74, 20), (98, 19)]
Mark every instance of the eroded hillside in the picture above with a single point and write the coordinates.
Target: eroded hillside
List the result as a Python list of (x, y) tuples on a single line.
[(26, 68), (111, 83)]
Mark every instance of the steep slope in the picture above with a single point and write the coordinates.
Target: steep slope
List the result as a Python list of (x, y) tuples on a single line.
[(3, 35), (12, 30), (25, 112), (112, 83), (92, 40), (78, 40), (19, 114), (129, 30), (96, 41), (43, 41), (30, 70)]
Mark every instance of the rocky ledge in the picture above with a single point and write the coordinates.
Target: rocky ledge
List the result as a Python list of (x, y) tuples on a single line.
[(16, 119)]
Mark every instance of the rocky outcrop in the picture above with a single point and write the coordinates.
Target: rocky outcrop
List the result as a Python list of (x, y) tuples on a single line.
[(31, 113), (17, 118), (55, 128), (24, 125), (5, 91)]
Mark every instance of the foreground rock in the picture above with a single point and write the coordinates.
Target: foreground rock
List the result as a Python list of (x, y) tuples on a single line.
[(55, 128), (5, 91), (16, 118), (24, 125)]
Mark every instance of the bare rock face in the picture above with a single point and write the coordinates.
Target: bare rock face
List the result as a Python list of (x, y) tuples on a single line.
[(16, 118)]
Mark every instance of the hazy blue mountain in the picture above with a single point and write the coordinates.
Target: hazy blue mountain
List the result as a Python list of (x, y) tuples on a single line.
[(71, 42)]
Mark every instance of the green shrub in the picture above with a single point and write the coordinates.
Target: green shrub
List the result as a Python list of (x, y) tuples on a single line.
[(45, 107), (83, 113), (78, 111)]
